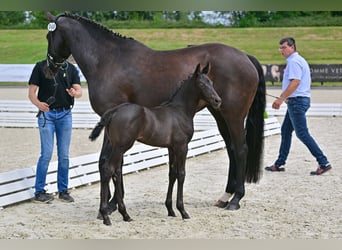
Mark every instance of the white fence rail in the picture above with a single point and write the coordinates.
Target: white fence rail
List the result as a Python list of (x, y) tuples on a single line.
[(316, 109), (14, 113), (20, 72), (18, 185)]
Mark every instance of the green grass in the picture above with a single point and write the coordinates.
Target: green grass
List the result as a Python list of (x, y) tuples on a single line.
[(319, 45)]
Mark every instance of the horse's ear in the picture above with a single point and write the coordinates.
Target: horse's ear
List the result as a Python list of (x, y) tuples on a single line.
[(206, 69), (50, 17), (197, 70)]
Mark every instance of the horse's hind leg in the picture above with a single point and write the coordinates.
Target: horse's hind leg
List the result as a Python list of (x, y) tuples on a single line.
[(223, 201), (238, 173)]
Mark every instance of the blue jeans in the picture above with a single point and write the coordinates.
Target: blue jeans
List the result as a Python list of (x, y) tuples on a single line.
[(295, 120), (51, 123)]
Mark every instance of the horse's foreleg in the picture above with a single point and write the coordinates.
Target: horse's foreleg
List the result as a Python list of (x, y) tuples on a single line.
[(172, 180)]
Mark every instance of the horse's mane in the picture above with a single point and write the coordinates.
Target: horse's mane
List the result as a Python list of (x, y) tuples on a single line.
[(97, 25)]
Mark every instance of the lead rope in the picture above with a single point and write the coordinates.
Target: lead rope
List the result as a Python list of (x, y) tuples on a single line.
[(53, 98)]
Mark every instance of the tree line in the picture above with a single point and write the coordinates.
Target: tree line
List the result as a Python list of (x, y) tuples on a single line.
[(166, 19)]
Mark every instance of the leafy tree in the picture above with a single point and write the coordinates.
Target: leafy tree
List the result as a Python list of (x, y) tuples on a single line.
[(9, 18)]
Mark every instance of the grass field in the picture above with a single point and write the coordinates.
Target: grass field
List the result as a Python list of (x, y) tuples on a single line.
[(319, 45)]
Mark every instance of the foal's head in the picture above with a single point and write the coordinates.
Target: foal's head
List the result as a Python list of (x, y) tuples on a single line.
[(206, 87)]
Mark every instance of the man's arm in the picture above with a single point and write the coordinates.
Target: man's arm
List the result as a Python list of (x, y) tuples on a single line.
[(293, 85), (43, 106)]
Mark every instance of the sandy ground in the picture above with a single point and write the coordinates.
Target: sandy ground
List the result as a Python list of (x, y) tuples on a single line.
[(287, 205)]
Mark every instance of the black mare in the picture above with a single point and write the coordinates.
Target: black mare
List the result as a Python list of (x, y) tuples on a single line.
[(120, 69), (168, 125)]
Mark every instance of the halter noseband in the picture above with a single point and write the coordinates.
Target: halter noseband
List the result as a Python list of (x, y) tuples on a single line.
[(51, 61)]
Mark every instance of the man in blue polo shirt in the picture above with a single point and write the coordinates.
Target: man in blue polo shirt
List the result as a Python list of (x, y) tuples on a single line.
[(296, 93)]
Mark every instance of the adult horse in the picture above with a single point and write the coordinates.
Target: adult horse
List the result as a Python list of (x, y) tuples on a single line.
[(169, 125), (120, 69)]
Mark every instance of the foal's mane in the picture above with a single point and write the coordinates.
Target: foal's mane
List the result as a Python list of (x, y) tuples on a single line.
[(97, 25), (182, 83)]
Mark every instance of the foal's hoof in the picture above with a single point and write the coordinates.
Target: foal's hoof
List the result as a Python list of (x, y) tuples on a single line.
[(232, 207), (221, 204), (99, 216), (112, 209), (107, 222), (171, 214), (185, 216), (127, 218)]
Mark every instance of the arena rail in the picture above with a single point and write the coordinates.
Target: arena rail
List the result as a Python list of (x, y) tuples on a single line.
[(18, 185), (21, 114)]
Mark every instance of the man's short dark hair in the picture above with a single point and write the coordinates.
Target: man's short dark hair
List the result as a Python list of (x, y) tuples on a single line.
[(290, 41)]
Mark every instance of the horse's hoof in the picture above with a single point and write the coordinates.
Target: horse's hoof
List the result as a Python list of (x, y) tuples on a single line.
[(232, 207), (221, 204)]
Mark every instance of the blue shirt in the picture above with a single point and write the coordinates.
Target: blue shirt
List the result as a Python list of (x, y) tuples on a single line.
[(297, 68)]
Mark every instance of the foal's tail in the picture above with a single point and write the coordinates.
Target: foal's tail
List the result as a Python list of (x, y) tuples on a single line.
[(255, 128), (105, 120)]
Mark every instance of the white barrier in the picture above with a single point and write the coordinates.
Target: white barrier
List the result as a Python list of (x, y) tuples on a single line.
[(21, 72), (18, 185), (22, 114), (316, 109)]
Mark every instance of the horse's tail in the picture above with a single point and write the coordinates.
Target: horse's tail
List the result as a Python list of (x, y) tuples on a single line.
[(255, 128), (105, 120)]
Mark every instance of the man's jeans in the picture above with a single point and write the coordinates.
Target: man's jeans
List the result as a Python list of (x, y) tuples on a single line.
[(295, 120), (51, 123)]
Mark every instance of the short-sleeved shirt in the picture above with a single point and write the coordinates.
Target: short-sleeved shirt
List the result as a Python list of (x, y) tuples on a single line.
[(56, 87), (297, 68)]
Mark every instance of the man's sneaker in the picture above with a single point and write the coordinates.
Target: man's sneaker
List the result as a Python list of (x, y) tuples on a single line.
[(43, 197), (275, 168), (65, 196), (321, 169)]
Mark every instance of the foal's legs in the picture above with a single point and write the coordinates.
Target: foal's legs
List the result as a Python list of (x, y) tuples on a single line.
[(105, 176), (180, 163), (177, 158), (116, 161), (172, 179), (103, 166), (105, 152)]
